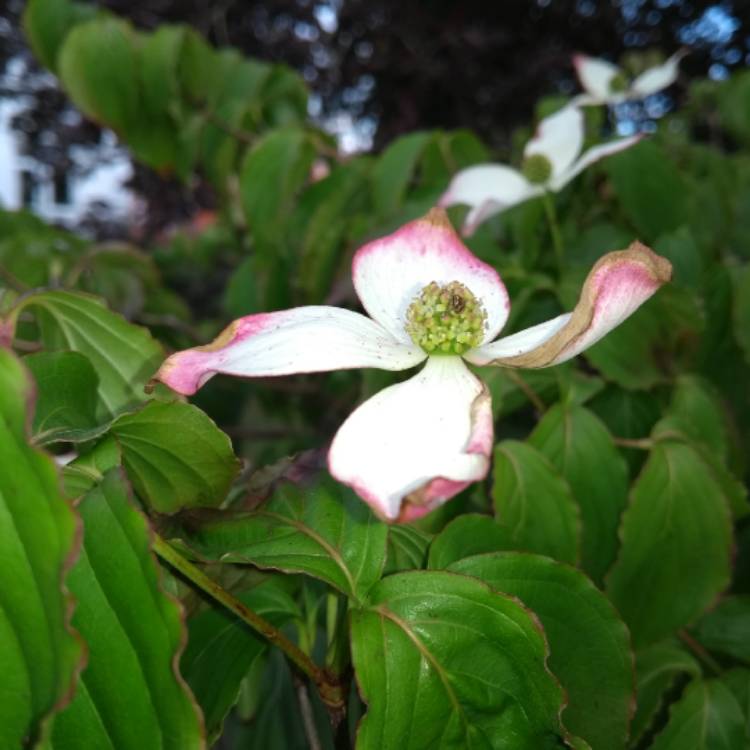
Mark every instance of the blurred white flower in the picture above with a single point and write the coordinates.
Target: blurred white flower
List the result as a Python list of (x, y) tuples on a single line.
[(551, 159), (606, 83)]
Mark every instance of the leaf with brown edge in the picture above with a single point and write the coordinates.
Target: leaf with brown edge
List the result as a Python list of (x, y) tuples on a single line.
[(131, 694), (40, 654), (321, 529), (124, 356), (442, 660), (676, 528)]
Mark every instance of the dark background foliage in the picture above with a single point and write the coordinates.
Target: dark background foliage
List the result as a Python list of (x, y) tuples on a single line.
[(382, 68)]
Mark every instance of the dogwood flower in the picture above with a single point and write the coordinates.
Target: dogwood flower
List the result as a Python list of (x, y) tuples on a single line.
[(416, 444), (605, 83), (551, 159)]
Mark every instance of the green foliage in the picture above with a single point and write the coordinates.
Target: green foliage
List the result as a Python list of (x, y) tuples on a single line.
[(619, 480), (534, 504), (441, 658), (650, 189), (589, 644), (221, 650), (124, 356), (40, 653), (66, 385), (676, 507), (573, 439), (658, 667), (132, 629), (324, 531), (175, 456), (707, 717)]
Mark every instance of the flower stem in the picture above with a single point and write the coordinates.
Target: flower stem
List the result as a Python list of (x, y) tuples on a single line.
[(554, 228), (328, 685), (644, 444)]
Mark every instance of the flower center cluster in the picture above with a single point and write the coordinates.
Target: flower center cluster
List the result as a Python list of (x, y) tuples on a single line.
[(536, 168), (619, 83), (446, 319)]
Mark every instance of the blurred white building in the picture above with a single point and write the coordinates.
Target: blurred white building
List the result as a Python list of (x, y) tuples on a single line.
[(62, 199)]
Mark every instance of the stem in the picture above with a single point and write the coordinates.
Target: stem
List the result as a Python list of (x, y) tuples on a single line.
[(528, 391), (554, 228), (703, 656), (644, 444), (308, 719), (328, 686)]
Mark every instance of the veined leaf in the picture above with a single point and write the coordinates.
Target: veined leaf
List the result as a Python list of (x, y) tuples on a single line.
[(39, 652), (444, 661), (582, 450), (675, 529), (657, 668), (175, 456), (468, 535), (589, 644), (130, 695), (66, 396), (325, 531), (124, 356), (707, 717), (534, 502)]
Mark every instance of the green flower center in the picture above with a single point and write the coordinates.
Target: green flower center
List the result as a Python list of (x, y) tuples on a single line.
[(536, 168), (618, 83), (446, 319)]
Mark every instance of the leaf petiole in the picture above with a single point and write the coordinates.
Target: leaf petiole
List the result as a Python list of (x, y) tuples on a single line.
[(328, 685)]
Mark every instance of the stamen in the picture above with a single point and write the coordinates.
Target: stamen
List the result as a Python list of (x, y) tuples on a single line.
[(536, 168), (619, 83), (446, 319)]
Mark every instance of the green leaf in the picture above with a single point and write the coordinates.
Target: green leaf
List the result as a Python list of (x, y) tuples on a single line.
[(325, 212), (96, 66), (39, 653), (159, 58), (444, 661), (467, 535), (707, 717), (325, 531), (627, 414), (89, 469), (221, 650), (649, 188), (273, 171), (533, 502), (697, 412), (130, 695), (657, 669), (726, 628), (738, 681), (124, 356), (589, 644), (581, 449), (675, 529), (46, 23), (66, 397), (698, 415), (682, 250), (407, 548), (741, 310), (394, 171), (175, 456)]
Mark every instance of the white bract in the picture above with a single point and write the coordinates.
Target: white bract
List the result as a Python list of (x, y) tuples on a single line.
[(551, 159), (606, 83), (416, 444)]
